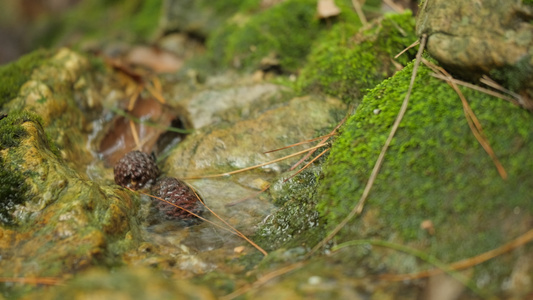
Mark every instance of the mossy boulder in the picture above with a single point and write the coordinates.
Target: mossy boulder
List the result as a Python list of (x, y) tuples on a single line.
[(435, 170), (15, 74), (64, 223), (459, 38), (281, 35), (347, 61)]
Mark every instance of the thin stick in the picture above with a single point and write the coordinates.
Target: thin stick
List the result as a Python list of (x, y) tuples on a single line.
[(157, 94), (134, 96), (359, 207), (359, 10), (268, 186), (301, 143), (148, 123), (256, 166), (477, 88), (394, 6), (469, 262), (406, 49), (321, 142), (473, 122), (488, 81), (307, 165), (135, 135)]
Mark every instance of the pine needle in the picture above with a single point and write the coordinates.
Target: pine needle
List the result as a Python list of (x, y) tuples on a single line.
[(256, 166), (134, 134), (466, 263), (511, 99), (307, 165), (301, 143), (407, 49), (323, 141), (359, 11), (473, 122)]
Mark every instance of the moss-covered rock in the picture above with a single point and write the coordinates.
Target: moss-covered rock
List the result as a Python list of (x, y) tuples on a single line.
[(346, 61), (15, 74), (296, 223), (435, 170), (459, 38), (68, 223), (283, 32), (92, 23)]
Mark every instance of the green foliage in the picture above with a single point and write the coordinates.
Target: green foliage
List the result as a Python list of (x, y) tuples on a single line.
[(127, 20), (15, 74), (285, 30), (345, 62), (434, 169)]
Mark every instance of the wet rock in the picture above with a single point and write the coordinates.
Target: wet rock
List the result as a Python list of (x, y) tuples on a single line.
[(69, 223), (476, 38), (242, 143)]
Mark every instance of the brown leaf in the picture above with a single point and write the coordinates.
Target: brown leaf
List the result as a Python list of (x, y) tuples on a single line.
[(327, 8), (158, 60), (120, 139)]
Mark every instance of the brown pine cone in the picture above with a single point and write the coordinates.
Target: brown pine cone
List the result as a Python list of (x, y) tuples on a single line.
[(177, 192), (136, 170)]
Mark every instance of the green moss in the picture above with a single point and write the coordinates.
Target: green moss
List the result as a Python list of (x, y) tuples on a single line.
[(12, 192), (11, 130), (105, 21), (345, 62), (17, 73), (434, 169), (296, 223), (284, 31)]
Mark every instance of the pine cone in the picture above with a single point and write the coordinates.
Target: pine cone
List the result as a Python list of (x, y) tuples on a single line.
[(180, 194), (136, 170)]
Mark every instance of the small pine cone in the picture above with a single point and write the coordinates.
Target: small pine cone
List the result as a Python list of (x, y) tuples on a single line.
[(180, 194), (136, 170)]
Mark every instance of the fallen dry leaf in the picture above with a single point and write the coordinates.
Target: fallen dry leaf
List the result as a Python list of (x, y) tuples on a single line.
[(327, 9), (155, 59)]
